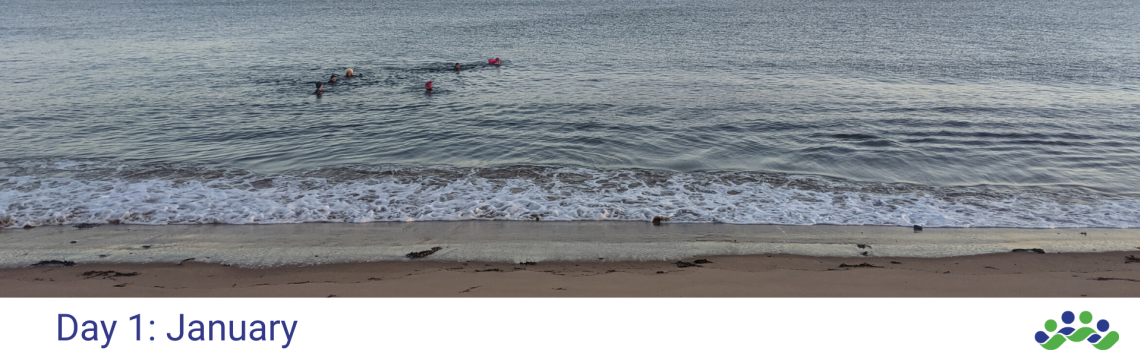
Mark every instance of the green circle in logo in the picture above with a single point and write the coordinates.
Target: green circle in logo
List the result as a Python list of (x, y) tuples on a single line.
[(1086, 317), (1050, 325)]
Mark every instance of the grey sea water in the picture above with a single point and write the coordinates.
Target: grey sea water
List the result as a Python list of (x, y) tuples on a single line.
[(886, 112)]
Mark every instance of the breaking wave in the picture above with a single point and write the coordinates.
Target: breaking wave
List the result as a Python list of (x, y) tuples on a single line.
[(73, 192)]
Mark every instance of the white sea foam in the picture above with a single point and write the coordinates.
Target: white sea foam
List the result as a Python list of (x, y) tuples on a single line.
[(409, 194)]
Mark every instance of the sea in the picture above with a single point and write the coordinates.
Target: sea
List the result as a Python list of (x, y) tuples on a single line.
[(940, 113)]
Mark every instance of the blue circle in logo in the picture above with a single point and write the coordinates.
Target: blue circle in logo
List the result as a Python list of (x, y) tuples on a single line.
[(1102, 325), (1067, 317), (1041, 337)]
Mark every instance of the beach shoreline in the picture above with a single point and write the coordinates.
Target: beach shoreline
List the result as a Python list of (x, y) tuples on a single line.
[(565, 259), (1023, 274), (522, 241)]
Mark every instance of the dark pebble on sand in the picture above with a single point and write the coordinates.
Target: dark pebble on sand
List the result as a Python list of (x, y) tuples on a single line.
[(859, 265), (1115, 279), (420, 254), (63, 263), (107, 274), (73, 241), (1039, 251)]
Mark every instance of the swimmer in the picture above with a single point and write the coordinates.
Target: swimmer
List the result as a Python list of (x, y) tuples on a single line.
[(457, 67), (427, 87), (494, 61), (320, 89), (348, 73), (332, 79)]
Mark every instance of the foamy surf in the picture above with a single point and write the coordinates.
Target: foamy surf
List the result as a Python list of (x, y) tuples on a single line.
[(75, 192)]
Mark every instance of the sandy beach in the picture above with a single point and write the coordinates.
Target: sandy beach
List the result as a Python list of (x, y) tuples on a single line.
[(522, 241), (997, 275), (565, 259)]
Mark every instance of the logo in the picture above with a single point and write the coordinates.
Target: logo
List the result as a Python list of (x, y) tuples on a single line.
[(1085, 333)]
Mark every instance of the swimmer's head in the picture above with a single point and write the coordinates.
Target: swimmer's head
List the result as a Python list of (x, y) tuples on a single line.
[(427, 86), (457, 66), (348, 72), (332, 78)]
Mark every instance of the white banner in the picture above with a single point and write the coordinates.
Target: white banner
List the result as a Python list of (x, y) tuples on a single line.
[(568, 328)]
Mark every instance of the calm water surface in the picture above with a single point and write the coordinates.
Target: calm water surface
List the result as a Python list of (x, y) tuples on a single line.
[(943, 113)]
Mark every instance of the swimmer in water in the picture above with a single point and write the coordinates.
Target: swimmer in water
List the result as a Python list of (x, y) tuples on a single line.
[(320, 89), (495, 61), (332, 79), (457, 67), (427, 87), (348, 73)]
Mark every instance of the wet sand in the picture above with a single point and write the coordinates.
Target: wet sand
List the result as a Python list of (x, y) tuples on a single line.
[(1022, 274), (565, 259), (519, 241)]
